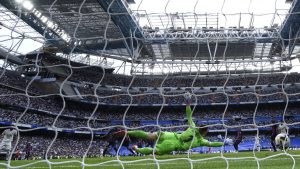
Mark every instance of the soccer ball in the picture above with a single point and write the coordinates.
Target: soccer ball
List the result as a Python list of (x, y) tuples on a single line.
[(282, 141)]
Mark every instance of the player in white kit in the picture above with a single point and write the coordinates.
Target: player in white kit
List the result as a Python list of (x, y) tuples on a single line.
[(283, 128), (101, 152), (282, 140), (257, 145), (7, 138)]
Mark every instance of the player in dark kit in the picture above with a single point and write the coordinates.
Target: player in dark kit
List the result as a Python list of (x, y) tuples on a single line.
[(273, 136), (238, 140), (28, 149), (114, 140)]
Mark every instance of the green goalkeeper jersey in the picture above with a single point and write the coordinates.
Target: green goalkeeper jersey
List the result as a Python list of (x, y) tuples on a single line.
[(190, 138), (171, 141)]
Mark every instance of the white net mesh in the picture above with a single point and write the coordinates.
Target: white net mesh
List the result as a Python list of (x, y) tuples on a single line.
[(74, 70)]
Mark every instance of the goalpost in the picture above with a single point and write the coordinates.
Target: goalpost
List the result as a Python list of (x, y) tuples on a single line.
[(238, 60)]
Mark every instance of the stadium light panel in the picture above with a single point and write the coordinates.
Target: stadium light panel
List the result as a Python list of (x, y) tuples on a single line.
[(55, 27), (60, 33), (28, 5), (65, 37), (78, 42), (38, 14), (44, 19), (50, 24)]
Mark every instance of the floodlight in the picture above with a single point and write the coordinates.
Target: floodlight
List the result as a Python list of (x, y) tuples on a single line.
[(65, 37), (50, 24), (27, 5), (44, 19), (37, 13)]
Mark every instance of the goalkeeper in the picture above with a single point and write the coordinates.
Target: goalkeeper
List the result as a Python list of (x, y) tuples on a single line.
[(171, 141)]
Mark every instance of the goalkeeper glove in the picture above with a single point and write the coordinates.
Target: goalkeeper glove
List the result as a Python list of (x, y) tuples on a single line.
[(188, 97), (134, 147)]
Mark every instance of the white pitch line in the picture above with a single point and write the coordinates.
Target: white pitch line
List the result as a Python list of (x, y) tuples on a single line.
[(144, 164)]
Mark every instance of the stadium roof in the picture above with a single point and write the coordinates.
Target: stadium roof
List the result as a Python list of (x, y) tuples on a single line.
[(14, 34), (86, 25), (211, 30), (164, 30)]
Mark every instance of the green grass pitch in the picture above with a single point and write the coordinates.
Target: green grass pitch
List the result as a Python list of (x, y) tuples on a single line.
[(242, 160)]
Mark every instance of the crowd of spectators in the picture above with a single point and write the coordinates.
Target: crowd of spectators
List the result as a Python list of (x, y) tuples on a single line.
[(71, 115), (232, 96), (13, 81), (139, 117), (19, 82), (62, 147), (57, 111), (72, 146), (96, 76), (54, 103)]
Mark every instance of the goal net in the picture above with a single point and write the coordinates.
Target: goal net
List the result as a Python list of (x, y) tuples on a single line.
[(76, 74)]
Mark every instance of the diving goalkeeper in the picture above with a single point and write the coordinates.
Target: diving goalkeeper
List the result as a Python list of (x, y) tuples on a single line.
[(172, 141)]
